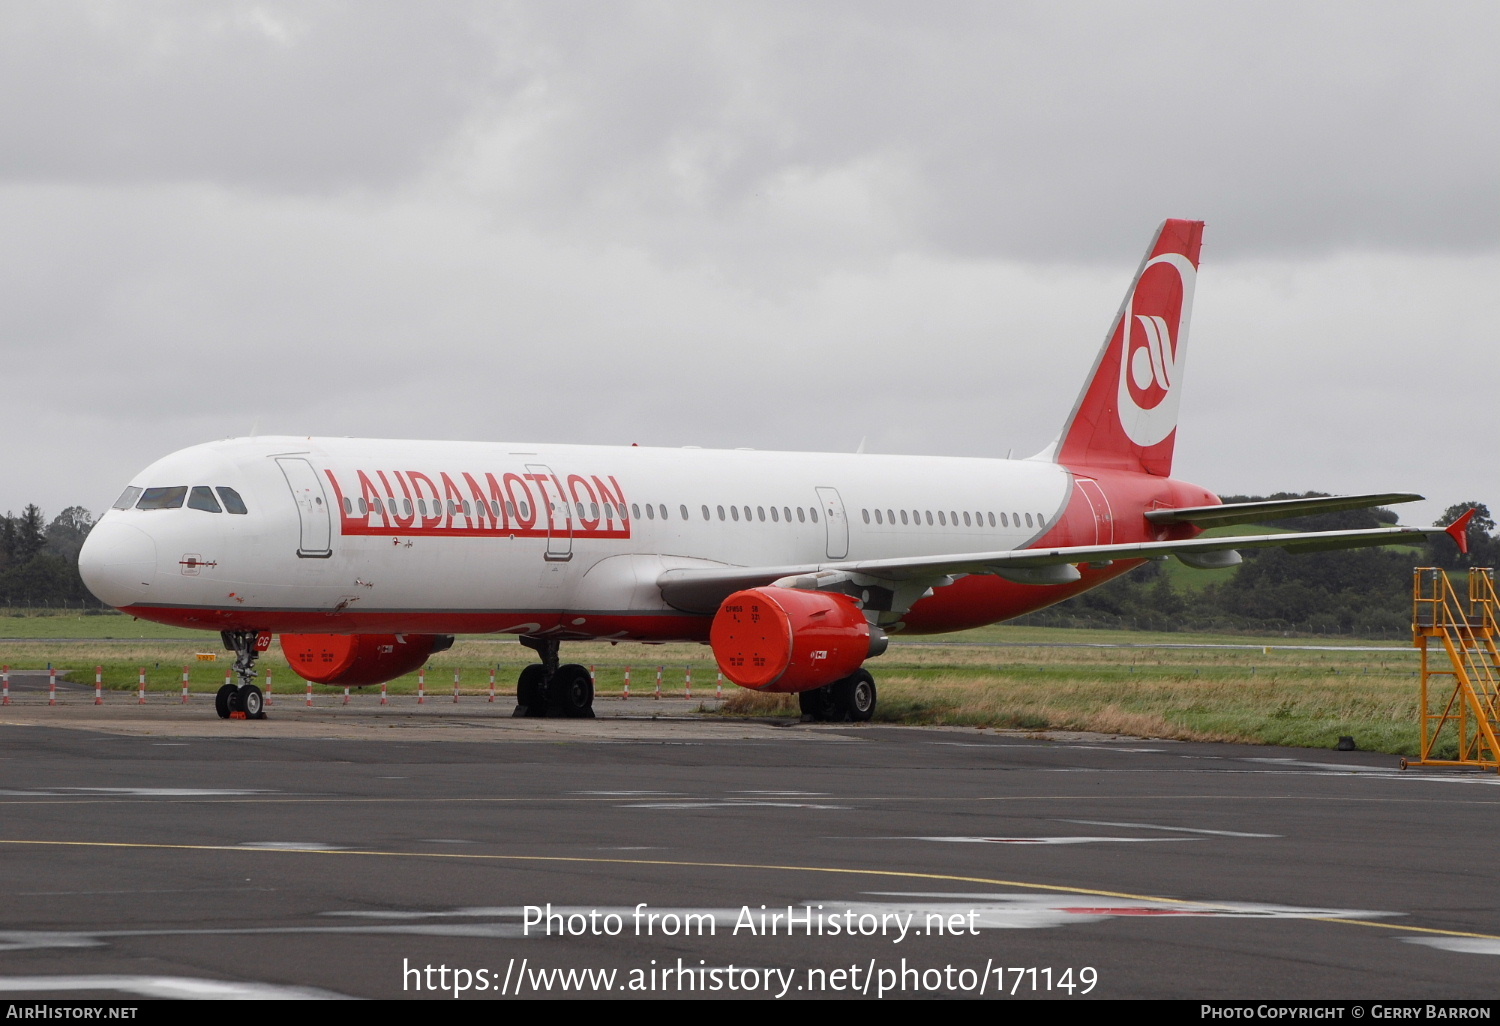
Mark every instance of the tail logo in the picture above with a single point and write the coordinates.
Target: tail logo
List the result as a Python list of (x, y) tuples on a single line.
[(1151, 359)]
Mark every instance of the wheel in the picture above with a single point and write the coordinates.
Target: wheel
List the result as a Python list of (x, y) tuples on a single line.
[(531, 694), (572, 692), (221, 701), (854, 696), (253, 702), (816, 704)]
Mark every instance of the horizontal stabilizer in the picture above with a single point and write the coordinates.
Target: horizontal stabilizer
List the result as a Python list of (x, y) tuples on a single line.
[(1275, 509)]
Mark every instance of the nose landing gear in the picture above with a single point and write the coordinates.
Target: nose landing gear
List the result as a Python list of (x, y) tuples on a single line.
[(243, 700)]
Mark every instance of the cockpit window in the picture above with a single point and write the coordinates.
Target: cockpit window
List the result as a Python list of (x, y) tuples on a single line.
[(163, 498), (203, 498), (232, 501), (127, 498)]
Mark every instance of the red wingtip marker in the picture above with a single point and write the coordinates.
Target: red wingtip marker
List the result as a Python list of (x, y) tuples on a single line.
[(1459, 531)]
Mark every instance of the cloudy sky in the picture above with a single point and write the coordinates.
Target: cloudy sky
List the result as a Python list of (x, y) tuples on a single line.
[(781, 225)]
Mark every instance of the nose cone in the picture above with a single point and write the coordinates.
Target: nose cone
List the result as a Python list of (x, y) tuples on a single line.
[(117, 563)]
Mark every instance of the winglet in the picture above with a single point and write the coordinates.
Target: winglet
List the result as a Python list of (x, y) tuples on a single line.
[(1459, 531)]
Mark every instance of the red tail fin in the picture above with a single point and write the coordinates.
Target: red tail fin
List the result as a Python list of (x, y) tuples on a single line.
[(1126, 417)]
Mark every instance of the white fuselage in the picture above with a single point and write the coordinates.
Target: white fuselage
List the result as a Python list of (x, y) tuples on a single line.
[(349, 535)]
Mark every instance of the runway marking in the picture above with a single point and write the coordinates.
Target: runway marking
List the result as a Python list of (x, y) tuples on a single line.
[(163, 987), (292, 845), (684, 864), (733, 803), (1153, 826), (1463, 945), (142, 792), (1045, 840)]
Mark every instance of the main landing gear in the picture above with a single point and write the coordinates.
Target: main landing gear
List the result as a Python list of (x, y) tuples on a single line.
[(851, 700), (552, 690), (243, 700)]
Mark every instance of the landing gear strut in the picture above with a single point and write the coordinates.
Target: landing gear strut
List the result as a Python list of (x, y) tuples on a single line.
[(244, 698), (851, 699), (549, 689)]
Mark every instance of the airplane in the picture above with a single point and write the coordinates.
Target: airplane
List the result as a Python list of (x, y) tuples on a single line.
[(366, 556)]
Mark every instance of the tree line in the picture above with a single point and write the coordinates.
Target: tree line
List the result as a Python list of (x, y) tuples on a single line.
[(1352, 591), (39, 560)]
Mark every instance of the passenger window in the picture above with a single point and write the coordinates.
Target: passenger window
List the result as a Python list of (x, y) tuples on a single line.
[(202, 497), (663, 508), (967, 523), (942, 518), (786, 513), (525, 511), (127, 498), (705, 512), (684, 512), (929, 518), (879, 519), (866, 514), (760, 513), (747, 514), (992, 520), (1004, 520), (734, 511), (801, 517), (813, 513), (903, 517), (776, 516), (635, 510), (1028, 520), (232, 501), (162, 498), (650, 511), (721, 513)]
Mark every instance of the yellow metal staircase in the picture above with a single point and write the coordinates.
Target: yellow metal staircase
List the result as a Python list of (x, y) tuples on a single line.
[(1463, 690)]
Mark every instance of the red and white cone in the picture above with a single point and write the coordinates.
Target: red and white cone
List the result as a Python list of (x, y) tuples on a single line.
[(422, 686), (98, 685), (492, 685), (346, 696), (626, 696), (719, 687), (184, 685), (687, 682), (51, 685), (5, 686), (141, 686), (383, 700), (309, 694), (455, 687), (659, 669), (268, 687)]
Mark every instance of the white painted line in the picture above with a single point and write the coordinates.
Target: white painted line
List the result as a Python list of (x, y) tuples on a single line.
[(1153, 826), (1462, 945), (732, 803), (1045, 840), (292, 846), (165, 987)]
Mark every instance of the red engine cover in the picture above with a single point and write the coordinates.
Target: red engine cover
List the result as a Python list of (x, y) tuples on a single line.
[(354, 660), (782, 639)]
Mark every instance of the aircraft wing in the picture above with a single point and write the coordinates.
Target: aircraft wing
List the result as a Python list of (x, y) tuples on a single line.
[(702, 590), (1275, 509)]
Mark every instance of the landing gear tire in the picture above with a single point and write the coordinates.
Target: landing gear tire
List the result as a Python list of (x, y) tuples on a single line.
[(816, 705), (222, 698), (854, 697), (571, 692), (253, 702), (531, 692)]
